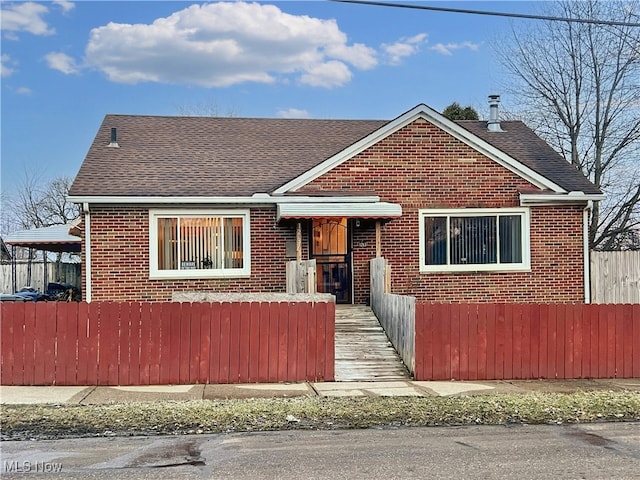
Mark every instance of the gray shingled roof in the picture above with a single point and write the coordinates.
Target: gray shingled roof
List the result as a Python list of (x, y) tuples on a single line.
[(209, 156), (521, 143), (212, 156)]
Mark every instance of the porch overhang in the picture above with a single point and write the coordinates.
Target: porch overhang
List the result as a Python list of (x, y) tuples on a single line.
[(55, 238), (339, 209)]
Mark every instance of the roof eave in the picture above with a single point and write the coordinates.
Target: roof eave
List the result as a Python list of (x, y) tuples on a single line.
[(551, 199), (256, 199)]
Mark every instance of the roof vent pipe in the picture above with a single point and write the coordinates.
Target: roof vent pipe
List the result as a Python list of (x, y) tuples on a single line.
[(493, 125), (114, 138)]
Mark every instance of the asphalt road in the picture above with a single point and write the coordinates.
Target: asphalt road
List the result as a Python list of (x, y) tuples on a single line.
[(589, 451)]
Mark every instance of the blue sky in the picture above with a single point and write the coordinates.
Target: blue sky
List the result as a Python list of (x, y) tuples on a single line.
[(67, 64)]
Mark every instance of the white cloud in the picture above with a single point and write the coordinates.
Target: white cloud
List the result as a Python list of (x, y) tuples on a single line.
[(327, 75), (61, 62), (448, 49), (404, 47), (222, 44), (293, 113), (358, 55), (25, 17), (65, 5), (5, 69), (24, 90)]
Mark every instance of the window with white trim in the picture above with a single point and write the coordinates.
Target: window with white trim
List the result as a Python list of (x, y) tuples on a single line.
[(474, 239), (199, 243)]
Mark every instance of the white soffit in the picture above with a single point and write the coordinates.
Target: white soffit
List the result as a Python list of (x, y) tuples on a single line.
[(571, 198), (340, 210)]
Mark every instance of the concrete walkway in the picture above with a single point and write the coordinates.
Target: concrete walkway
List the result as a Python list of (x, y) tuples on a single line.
[(10, 395)]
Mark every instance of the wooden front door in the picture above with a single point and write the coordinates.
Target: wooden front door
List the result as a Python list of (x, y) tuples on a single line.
[(331, 247)]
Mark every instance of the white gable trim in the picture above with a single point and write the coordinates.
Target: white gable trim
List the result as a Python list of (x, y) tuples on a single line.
[(440, 121)]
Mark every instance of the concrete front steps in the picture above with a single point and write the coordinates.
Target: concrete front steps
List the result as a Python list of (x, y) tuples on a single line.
[(362, 350)]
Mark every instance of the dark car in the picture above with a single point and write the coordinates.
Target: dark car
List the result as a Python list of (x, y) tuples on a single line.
[(31, 294), (63, 292), (9, 297)]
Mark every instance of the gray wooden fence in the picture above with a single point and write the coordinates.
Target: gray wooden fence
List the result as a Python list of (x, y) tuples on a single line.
[(66, 273), (301, 276), (396, 313), (615, 277)]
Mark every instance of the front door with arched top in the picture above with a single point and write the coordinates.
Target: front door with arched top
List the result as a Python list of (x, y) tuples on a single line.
[(331, 247)]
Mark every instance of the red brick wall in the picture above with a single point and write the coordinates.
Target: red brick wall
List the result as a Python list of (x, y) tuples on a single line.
[(364, 249), (420, 167), (120, 257)]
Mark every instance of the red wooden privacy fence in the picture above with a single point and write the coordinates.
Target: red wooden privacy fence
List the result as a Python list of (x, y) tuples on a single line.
[(134, 343), (521, 341)]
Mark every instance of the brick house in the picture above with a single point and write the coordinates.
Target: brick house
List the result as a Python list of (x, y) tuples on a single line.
[(465, 210)]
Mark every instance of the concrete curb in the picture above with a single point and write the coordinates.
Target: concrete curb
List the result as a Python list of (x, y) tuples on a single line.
[(58, 395)]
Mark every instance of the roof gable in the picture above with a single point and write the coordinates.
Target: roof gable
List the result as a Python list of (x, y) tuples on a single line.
[(453, 128)]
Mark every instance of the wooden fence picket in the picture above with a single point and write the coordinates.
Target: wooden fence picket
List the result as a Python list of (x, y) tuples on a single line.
[(141, 343), (526, 341)]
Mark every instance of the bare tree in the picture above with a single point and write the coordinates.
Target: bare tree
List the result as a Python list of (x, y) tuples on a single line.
[(578, 85), (5, 218), (37, 203)]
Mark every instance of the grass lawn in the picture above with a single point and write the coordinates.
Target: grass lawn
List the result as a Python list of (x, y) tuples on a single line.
[(216, 416)]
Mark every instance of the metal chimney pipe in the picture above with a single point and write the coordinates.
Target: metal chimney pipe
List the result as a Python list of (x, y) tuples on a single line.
[(114, 138), (493, 125)]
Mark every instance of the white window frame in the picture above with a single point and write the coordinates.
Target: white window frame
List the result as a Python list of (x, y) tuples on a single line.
[(201, 273), (525, 223)]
